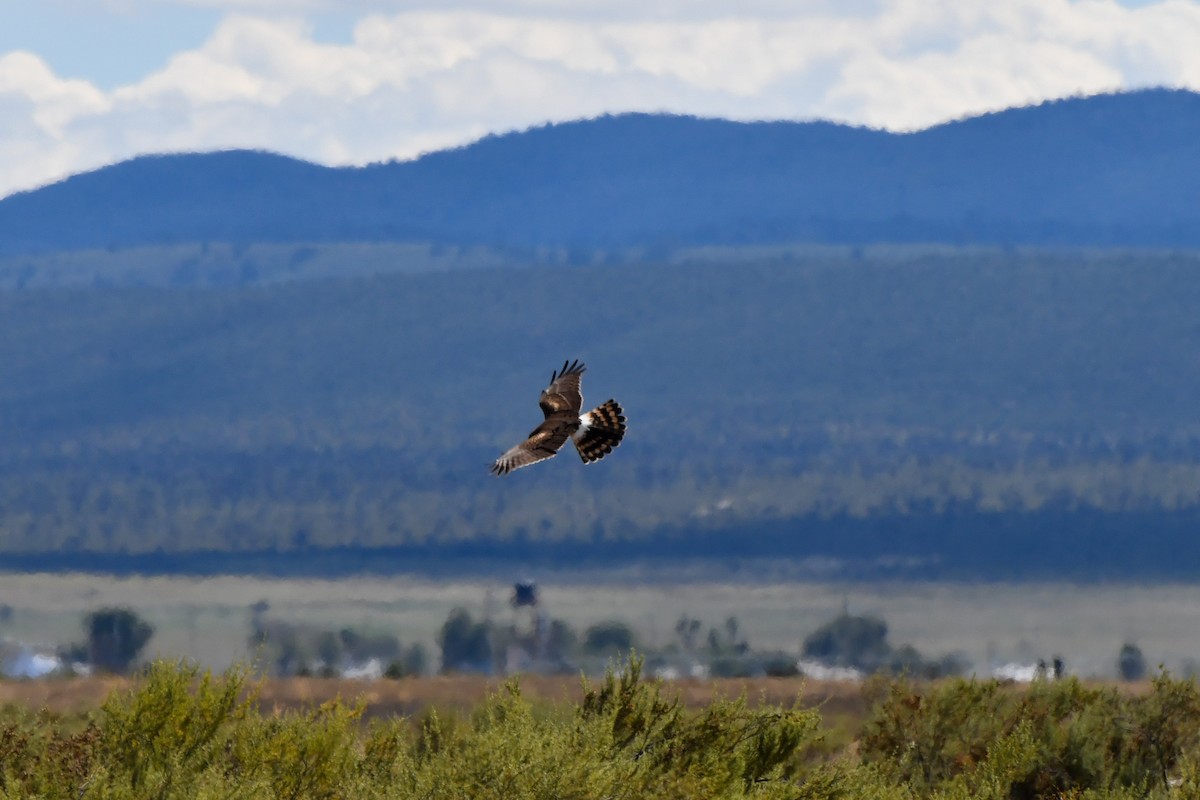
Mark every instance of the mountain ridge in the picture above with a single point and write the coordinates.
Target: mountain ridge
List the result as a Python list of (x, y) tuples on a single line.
[(1105, 170)]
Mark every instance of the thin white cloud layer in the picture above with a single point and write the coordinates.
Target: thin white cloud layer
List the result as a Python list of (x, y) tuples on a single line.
[(417, 79)]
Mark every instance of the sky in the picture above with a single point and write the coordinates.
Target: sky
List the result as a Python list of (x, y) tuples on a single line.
[(85, 83)]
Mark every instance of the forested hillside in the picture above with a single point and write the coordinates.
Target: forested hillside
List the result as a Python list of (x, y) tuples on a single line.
[(858, 406), (1097, 171)]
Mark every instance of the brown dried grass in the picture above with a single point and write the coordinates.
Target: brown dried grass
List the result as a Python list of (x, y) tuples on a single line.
[(458, 693)]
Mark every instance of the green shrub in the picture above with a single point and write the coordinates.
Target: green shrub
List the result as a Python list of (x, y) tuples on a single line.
[(175, 724), (183, 733), (1073, 738)]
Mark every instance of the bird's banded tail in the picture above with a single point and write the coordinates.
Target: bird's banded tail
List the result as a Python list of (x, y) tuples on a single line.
[(601, 431)]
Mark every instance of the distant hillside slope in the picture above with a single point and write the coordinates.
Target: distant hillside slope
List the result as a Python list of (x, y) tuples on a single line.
[(850, 407), (1106, 170), (709, 358)]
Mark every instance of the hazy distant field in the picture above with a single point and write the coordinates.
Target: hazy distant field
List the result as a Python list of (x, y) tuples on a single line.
[(208, 619)]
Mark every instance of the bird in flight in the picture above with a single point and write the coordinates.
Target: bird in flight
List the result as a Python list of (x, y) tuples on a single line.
[(595, 433)]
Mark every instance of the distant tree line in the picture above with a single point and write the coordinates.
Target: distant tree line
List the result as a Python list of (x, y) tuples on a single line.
[(115, 639), (292, 648)]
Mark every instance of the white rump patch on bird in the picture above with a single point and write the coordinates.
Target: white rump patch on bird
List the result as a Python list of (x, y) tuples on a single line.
[(585, 422)]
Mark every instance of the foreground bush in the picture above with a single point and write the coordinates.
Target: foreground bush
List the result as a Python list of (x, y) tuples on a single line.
[(1058, 738), (181, 733)]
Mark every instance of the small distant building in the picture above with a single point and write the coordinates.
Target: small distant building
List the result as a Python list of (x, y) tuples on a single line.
[(823, 672), (22, 661), (1019, 673), (1028, 673), (370, 670), (525, 593), (678, 671)]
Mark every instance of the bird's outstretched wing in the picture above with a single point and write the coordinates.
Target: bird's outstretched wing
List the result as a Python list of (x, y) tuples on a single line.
[(563, 393), (544, 442)]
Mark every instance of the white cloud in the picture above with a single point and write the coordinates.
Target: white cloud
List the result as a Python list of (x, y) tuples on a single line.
[(54, 102), (37, 110), (415, 79)]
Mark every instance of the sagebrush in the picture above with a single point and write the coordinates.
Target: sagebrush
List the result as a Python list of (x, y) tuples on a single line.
[(184, 733)]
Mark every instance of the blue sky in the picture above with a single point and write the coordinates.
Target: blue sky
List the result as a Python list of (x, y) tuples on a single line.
[(85, 83), (113, 44)]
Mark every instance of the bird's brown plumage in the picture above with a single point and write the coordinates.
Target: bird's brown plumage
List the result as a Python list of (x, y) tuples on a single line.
[(561, 402), (563, 395)]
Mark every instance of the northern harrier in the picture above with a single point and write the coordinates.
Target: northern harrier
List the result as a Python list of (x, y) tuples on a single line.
[(595, 433)]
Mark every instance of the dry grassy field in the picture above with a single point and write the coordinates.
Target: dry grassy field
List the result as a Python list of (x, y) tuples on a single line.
[(207, 619), (458, 693)]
